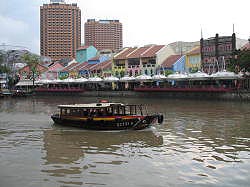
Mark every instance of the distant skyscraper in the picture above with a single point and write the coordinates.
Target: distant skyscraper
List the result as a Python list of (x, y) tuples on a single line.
[(60, 30), (103, 34)]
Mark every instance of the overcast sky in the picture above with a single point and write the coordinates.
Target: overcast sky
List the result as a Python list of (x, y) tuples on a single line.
[(144, 21)]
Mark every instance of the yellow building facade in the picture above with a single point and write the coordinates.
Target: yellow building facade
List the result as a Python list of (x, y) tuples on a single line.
[(193, 60)]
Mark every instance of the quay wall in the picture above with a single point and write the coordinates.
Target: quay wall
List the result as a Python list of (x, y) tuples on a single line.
[(237, 96)]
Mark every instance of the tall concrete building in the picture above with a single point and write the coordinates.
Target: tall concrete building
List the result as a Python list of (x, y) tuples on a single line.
[(103, 34), (60, 29)]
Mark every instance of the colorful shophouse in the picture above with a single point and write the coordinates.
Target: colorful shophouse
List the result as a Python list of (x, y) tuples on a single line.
[(25, 73), (84, 53), (193, 60), (136, 61), (119, 61), (53, 71), (173, 63), (102, 69), (69, 71)]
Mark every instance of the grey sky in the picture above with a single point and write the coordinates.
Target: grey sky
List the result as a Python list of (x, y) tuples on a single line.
[(144, 22)]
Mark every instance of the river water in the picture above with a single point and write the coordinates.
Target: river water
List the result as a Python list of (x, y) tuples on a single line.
[(200, 143)]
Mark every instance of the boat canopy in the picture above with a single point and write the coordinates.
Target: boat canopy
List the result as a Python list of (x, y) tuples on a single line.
[(91, 105), (100, 109)]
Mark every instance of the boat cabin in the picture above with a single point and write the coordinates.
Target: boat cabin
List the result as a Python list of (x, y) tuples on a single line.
[(100, 109)]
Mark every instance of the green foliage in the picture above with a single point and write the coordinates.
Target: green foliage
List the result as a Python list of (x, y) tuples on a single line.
[(193, 69), (240, 61), (1, 58), (32, 61), (4, 69), (168, 72)]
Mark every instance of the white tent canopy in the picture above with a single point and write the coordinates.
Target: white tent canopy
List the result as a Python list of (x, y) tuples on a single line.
[(143, 78), (177, 76), (95, 79), (81, 80), (225, 75), (3, 81), (198, 75), (26, 83), (159, 77), (127, 78), (44, 81), (69, 80), (111, 79)]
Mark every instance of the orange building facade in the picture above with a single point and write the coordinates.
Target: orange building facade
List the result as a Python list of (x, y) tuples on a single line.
[(60, 30), (103, 34)]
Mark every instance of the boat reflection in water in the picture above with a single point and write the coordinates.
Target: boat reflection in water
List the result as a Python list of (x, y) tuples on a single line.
[(71, 151)]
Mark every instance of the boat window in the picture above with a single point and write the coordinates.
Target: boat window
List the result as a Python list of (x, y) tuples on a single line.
[(132, 109), (122, 110), (75, 112), (92, 112), (115, 110), (102, 112), (65, 111), (85, 112), (109, 111)]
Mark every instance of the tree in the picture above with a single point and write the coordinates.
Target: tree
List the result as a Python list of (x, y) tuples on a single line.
[(240, 61), (1, 59), (32, 61), (4, 69)]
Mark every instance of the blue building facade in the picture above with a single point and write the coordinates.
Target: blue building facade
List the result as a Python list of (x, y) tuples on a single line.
[(179, 65), (84, 53), (98, 59)]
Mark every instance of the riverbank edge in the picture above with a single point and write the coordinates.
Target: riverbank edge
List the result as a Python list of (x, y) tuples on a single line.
[(234, 96), (243, 95)]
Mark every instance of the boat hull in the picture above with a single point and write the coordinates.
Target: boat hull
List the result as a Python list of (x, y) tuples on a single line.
[(107, 123)]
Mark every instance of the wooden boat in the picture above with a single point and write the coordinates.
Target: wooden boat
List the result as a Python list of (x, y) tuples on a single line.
[(105, 116)]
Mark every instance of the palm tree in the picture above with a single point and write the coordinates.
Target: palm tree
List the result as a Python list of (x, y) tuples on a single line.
[(3, 67), (32, 61), (1, 58)]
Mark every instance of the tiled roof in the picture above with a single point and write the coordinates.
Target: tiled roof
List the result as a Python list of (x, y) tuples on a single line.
[(123, 54), (95, 58), (69, 67), (138, 52), (246, 46), (80, 66), (83, 47), (102, 65), (168, 62), (151, 52), (195, 51), (87, 67)]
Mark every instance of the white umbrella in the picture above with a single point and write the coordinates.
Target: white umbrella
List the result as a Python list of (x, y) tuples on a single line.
[(177, 76), (58, 81), (159, 77), (198, 76), (143, 78), (69, 80), (94, 79), (81, 80), (3, 81), (43, 81), (127, 79), (111, 79), (225, 75)]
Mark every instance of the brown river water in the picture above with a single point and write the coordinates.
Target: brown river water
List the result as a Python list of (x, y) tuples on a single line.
[(200, 143)]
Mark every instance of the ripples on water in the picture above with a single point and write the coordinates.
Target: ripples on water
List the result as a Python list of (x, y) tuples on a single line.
[(199, 144)]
